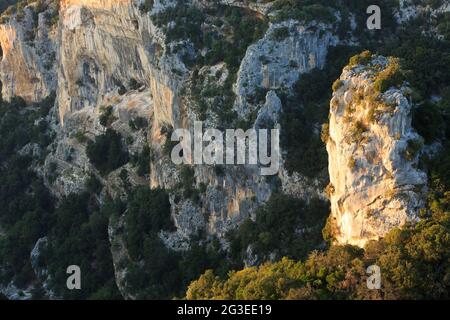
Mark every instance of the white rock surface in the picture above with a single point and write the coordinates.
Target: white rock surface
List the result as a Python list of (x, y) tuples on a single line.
[(375, 187)]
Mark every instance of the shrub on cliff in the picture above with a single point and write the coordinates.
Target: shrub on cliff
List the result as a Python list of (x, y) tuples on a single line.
[(391, 76), (106, 117), (147, 5), (155, 271), (107, 152)]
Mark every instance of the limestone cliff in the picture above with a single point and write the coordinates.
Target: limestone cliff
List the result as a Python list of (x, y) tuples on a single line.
[(28, 53), (96, 54), (94, 51), (373, 151), (101, 53)]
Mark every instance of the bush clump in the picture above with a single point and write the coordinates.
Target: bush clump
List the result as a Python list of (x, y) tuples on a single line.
[(107, 152), (361, 59), (391, 76)]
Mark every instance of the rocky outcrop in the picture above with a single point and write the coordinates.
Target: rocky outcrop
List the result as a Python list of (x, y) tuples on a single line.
[(276, 62), (110, 53), (373, 155), (409, 10), (261, 7), (273, 63)]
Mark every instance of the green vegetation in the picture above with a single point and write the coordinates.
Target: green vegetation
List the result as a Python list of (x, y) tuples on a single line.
[(284, 227), (391, 76), (17, 8), (147, 5), (219, 34), (305, 110), (414, 263), (148, 213), (107, 153), (429, 120), (20, 126), (337, 85), (413, 148), (26, 204), (187, 21), (414, 260), (360, 59), (138, 123), (280, 33), (81, 137), (201, 29), (323, 11), (156, 272), (304, 10), (187, 176), (357, 131), (415, 257), (142, 161), (77, 229), (429, 74), (79, 236), (351, 163), (107, 117), (427, 71), (325, 133), (167, 130)]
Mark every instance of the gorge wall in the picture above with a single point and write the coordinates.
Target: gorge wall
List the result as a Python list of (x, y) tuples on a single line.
[(99, 54)]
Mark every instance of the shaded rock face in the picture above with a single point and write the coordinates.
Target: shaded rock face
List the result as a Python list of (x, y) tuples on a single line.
[(276, 61), (99, 49), (410, 9), (373, 155), (235, 193)]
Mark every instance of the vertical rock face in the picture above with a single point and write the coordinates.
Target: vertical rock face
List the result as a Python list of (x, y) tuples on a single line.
[(106, 46), (373, 156), (276, 61), (102, 53), (27, 59), (273, 63)]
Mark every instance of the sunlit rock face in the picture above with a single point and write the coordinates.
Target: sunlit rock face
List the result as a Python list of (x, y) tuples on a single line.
[(106, 45), (373, 156), (27, 60)]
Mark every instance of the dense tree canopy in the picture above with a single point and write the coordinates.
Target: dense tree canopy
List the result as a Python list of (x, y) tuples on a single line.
[(414, 264)]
